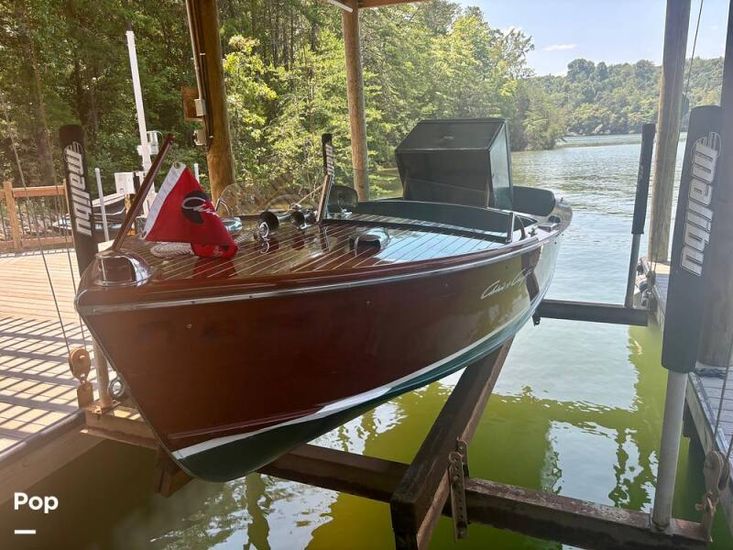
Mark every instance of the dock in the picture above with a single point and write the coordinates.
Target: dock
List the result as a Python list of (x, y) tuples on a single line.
[(702, 398), (40, 420)]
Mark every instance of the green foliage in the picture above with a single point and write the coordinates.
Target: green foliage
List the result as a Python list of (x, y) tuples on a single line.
[(66, 61), (618, 99), (542, 123)]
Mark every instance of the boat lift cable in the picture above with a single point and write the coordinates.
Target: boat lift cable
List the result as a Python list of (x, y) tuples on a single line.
[(73, 278), (694, 47), (38, 236), (73, 284)]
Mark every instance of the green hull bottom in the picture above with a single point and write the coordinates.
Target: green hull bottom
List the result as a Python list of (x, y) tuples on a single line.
[(238, 458)]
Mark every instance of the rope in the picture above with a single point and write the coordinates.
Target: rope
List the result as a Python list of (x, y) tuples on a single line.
[(38, 236), (171, 250)]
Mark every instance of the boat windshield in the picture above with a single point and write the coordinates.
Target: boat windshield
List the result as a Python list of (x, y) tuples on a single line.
[(287, 192), (254, 196)]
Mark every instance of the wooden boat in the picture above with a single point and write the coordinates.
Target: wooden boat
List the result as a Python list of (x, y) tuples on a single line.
[(234, 362)]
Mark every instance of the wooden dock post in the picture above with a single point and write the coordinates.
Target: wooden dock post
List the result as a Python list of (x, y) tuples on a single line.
[(219, 153), (668, 126), (355, 94), (15, 230)]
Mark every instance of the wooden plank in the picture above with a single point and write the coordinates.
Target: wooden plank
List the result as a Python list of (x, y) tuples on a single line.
[(593, 312), (37, 391), (12, 216), (32, 243), (573, 521), (702, 415), (364, 4), (534, 513), (42, 191), (422, 493), (121, 420), (28, 292)]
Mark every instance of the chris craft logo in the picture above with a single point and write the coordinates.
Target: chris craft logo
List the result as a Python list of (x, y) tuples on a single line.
[(194, 205), (80, 198), (698, 214), (500, 286)]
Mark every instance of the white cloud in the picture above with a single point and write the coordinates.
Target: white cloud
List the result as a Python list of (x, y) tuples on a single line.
[(559, 47)]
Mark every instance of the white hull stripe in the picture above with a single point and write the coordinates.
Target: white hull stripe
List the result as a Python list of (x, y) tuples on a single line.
[(339, 406)]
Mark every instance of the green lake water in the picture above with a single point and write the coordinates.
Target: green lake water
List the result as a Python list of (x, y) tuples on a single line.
[(577, 411)]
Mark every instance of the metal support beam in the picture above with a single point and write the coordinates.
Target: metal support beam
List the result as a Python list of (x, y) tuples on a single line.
[(668, 126), (593, 312), (669, 451), (355, 95)]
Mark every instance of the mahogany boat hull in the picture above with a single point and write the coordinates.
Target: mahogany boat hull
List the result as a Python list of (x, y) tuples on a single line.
[(231, 379)]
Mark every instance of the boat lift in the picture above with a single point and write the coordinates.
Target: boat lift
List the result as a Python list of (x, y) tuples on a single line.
[(438, 480)]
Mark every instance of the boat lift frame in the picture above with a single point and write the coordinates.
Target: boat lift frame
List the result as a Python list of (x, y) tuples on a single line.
[(436, 483)]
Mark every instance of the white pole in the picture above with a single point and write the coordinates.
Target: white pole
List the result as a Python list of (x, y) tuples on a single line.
[(669, 451), (142, 128), (196, 170), (102, 207)]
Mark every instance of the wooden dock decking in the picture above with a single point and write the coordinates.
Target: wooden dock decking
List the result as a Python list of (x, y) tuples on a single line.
[(38, 406), (703, 398)]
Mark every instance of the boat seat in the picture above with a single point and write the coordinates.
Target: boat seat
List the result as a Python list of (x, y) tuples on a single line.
[(472, 217), (417, 189)]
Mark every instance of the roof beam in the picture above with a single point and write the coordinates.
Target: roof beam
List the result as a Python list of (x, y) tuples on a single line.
[(341, 5), (379, 3)]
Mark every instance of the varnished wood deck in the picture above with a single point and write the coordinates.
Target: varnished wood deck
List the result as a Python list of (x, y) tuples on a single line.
[(703, 397), (38, 409)]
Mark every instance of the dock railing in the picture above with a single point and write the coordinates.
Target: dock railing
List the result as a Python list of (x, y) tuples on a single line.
[(33, 217)]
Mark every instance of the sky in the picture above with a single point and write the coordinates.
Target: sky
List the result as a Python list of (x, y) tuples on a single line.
[(614, 31)]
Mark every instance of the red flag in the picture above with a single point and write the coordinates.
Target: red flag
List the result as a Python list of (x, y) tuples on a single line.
[(182, 213)]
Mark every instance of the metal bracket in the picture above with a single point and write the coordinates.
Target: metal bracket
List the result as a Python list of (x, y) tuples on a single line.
[(457, 473), (716, 472)]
